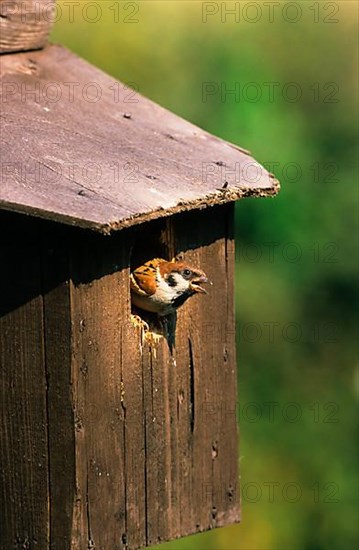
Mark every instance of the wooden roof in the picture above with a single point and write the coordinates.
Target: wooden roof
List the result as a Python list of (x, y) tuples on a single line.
[(79, 147)]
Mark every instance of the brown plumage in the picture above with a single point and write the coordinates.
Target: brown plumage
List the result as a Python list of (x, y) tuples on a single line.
[(161, 286)]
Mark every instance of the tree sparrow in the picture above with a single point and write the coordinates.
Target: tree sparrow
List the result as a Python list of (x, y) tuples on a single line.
[(160, 286)]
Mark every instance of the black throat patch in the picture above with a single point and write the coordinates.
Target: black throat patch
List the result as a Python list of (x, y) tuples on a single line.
[(180, 300)]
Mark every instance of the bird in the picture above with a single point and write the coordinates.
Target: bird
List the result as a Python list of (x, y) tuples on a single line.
[(160, 286)]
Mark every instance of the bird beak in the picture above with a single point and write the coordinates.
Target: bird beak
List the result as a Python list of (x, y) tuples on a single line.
[(195, 284)]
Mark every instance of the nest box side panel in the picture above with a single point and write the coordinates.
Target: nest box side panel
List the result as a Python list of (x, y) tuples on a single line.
[(24, 490)]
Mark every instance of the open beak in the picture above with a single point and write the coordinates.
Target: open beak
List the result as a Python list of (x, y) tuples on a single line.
[(196, 284)]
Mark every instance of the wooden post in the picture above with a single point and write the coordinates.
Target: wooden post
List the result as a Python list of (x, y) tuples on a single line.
[(25, 24)]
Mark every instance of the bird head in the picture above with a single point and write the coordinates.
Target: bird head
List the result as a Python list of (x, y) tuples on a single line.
[(185, 278)]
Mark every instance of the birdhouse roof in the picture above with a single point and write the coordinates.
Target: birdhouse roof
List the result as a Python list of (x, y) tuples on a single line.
[(81, 148)]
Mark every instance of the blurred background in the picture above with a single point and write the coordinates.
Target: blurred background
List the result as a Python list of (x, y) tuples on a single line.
[(280, 80)]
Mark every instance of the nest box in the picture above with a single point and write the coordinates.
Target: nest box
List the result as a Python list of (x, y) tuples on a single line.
[(111, 440)]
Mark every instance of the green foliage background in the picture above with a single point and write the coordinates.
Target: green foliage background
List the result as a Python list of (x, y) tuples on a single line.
[(309, 280)]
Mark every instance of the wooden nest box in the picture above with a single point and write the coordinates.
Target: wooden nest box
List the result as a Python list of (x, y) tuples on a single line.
[(110, 440)]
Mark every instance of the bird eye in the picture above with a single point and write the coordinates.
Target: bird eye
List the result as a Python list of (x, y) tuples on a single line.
[(186, 272)]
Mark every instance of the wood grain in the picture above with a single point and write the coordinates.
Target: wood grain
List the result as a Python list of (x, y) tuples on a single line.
[(98, 312), (24, 487), (127, 442), (97, 155), (25, 24), (190, 395), (58, 351)]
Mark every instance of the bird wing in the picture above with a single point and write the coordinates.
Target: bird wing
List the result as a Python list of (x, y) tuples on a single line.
[(143, 279)]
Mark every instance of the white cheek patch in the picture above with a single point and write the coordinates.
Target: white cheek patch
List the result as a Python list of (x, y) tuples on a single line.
[(182, 284), (166, 293)]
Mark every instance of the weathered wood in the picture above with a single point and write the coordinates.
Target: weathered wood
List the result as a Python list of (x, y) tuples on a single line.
[(206, 334), (190, 395), (100, 309), (58, 348), (134, 444), (134, 418), (25, 24), (100, 156), (24, 494)]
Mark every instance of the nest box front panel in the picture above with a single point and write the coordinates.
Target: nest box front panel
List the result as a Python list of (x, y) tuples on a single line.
[(155, 428)]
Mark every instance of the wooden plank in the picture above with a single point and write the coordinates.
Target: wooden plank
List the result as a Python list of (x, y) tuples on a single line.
[(161, 444), (135, 532), (24, 493), (134, 418), (25, 24), (58, 346), (86, 149), (107, 392), (160, 406), (206, 340)]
